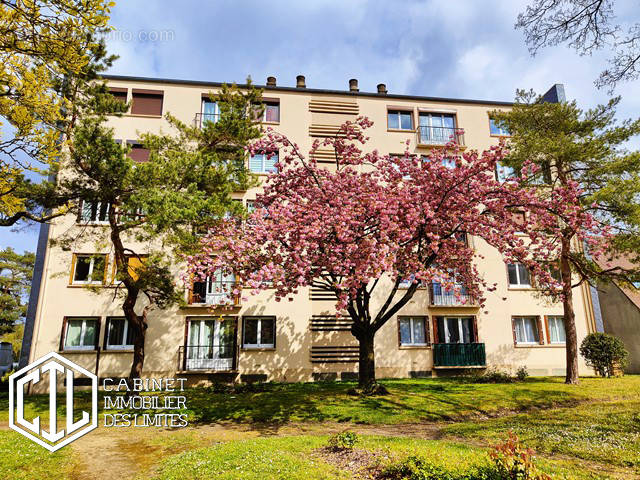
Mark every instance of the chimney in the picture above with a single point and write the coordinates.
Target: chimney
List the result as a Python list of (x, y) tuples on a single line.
[(382, 89), (271, 81), (300, 82), (353, 85)]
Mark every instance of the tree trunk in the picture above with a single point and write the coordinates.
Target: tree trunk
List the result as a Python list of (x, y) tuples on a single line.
[(366, 359), (569, 314)]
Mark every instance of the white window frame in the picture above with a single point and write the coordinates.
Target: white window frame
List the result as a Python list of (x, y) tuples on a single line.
[(460, 329), (83, 330), (98, 207), (412, 320), (216, 112), (519, 284), (502, 132), (125, 333), (555, 318), (264, 114), (259, 332), (535, 321), (89, 280), (263, 161)]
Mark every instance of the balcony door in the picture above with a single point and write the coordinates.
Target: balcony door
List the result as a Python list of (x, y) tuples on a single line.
[(210, 111), (456, 330), (211, 344), (437, 127)]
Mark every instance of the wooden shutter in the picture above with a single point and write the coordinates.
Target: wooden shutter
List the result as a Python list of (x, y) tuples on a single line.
[(73, 267), (427, 339), (107, 324), (513, 327), (436, 333), (147, 102), (540, 332), (98, 321), (63, 332), (399, 336), (274, 331), (119, 93), (546, 328), (138, 153), (474, 325)]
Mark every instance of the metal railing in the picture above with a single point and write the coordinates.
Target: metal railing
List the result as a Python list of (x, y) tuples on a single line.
[(216, 357), (459, 355), (222, 294), (439, 135), (202, 118), (442, 297)]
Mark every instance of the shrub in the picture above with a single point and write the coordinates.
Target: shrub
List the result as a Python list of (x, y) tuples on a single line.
[(522, 373), (343, 441), (604, 353), (493, 375), (515, 462), (416, 468)]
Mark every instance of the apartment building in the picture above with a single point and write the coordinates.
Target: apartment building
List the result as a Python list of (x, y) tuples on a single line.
[(303, 340)]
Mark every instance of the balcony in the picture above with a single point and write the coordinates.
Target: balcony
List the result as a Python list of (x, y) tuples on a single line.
[(459, 355), (430, 136), (213, 293), (210, 358), (202, 118), (441, 297)]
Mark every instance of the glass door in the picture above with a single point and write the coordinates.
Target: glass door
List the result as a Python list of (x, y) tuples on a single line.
[(456, 329), (210, 345), (210, 111)]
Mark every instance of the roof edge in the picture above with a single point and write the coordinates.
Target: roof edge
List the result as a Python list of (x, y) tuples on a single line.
[(306, 90)]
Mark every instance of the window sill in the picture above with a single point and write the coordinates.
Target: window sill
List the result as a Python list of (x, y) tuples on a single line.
[(141, 115), (414, 347), (521, 289), (92, 224), (537, 345), (270, 123), (499, 135), (89, 350), (117, 350), (258, 349), (88, 285), (401, 130)]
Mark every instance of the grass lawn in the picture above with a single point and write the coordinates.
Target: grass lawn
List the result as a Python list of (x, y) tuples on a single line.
[(21, 459), (296, 458), (409, 400), (584, 432), (606, 432)]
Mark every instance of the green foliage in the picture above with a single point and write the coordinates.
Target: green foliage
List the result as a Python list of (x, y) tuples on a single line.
[(23, 459), (522, 373), (515, 462), (604, 353), (16, 271), (15, 339), (343, 441), (493, 375)]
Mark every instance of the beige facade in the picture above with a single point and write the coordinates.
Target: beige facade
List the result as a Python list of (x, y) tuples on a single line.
[(516, 328)]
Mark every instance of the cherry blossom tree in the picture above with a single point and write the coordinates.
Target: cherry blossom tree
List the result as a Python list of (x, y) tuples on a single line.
[(371, 223)]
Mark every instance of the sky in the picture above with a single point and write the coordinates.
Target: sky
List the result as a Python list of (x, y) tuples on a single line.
[(461, 49)]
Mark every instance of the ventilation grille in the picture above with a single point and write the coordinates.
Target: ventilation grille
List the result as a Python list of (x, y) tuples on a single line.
[(334, 106), (334, 354), (330, 323), (316, 293)]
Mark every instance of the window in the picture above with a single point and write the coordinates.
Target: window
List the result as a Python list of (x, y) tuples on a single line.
[(437, 128), (456, 330), (259, 332), (497, 129), (413, 330), (503, 172), (263, 162), (449, 162), (271, 111), (93, 212), (519, 218), (519, 275), (147, 102), (138, 153), (118, 334), (400, 120), (216, 290), (525, 330), (89, 269), (555, 329), (119, 94), (636, 284), (210, 111), (80, 333), (555, 272)]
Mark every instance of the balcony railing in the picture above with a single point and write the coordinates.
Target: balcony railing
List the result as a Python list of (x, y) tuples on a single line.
[(210, 294), (439, 135), (216, 357), (459, 355), (201, 118), (441, 297)]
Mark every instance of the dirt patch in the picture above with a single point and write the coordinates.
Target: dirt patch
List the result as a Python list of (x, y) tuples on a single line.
[(361, 464)]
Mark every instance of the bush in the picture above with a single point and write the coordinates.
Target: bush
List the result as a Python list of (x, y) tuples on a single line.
[(493, 375), (343, 441), (604, 353), (416, 468), (522, 373), (514, 462)]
